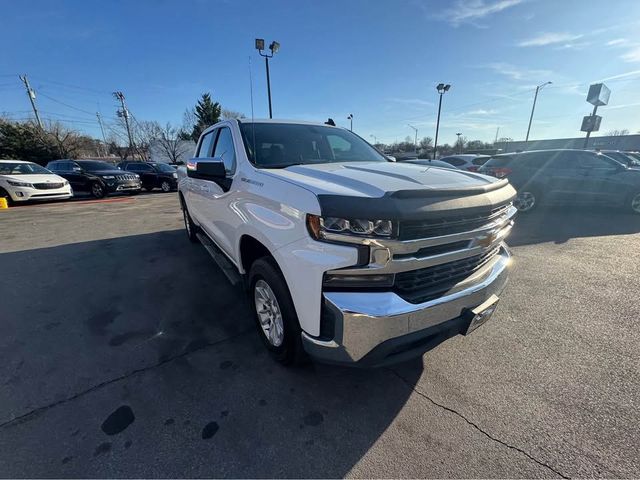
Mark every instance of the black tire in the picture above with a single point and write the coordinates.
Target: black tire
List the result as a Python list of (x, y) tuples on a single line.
[(633, 203), (527, 200), (290, 351), (5, 194), (165, 186), (97, 190), (190, 227)]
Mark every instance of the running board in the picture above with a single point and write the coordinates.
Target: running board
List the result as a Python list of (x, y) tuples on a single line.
[(223, 262)]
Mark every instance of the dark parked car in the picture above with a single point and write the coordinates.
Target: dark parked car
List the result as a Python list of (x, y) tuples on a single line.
[(567, 177), (95, 177), (466, 161), (432, 163), (153, 175)]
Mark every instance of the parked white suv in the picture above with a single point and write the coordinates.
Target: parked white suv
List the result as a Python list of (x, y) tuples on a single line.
[(346, 256), (21, 181)]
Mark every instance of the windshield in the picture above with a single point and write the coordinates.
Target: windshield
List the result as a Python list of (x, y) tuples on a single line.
[(22, 169), (163, 167), (95, 165), (278, 145), (623, 157)]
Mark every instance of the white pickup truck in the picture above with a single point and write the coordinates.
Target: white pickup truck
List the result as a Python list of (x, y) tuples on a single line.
[(347, 257)]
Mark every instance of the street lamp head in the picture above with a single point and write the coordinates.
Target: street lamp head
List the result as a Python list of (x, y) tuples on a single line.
[(274, 47), (260, 44), (442, 88), (350, 116), (447, 87)]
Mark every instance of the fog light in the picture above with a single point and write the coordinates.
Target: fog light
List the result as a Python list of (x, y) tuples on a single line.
[(19, 194)]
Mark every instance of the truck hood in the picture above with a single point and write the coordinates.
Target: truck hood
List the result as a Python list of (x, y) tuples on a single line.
[(375, 179), (397, 190)]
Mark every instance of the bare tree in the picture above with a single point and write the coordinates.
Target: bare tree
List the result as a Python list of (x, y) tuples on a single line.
[(618, 133), (68, 143), (231, 114), (171, 144)]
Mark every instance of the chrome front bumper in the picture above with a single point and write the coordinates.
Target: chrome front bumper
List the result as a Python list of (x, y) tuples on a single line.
[(364, 321)]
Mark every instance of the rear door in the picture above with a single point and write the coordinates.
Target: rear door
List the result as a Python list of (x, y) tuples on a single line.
[(601, 182), (147, 173)]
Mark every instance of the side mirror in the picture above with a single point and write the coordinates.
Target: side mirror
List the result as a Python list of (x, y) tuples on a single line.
[(77, 169), (206, 168)]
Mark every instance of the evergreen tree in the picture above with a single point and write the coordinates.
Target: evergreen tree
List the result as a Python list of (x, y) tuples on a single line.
[(207, 112)]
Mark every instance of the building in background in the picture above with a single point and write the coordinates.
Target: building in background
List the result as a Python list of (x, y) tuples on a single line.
[(629, 143)]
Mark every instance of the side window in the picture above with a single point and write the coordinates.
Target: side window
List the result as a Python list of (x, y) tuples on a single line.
[(480, 161), (226, 151), (131, 167), (53, 167), (204, 151), (593, 161), (456, 162)]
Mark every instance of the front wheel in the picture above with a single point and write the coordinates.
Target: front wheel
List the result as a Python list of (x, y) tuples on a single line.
[(165, 186), (4, 194), (274, 312), (634, 203), (97, 190), (526, 201)]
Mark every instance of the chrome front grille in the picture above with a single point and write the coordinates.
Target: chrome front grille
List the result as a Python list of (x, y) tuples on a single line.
[(424, 284), (415, 229), (126, 177)]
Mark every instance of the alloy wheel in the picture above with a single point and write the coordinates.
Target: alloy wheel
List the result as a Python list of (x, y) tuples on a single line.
[(525, 201), (635, 203), (165, 186), (269, 313)]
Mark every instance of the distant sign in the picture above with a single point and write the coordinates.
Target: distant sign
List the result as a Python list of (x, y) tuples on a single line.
[(598, 95), (591, 123)]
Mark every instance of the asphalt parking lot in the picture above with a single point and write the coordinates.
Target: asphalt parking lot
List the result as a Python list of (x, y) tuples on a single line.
[(126, 353)]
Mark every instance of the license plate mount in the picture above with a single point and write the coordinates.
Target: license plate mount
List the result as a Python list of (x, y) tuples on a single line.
[(481, 314)]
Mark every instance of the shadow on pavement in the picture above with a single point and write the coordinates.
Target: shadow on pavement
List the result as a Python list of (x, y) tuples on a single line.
[(145, 332), (560, 224)]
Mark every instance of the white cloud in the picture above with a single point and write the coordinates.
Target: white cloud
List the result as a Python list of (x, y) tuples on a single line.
[(517, 73), (482, 111), (549, 38), (410, 101), (469, 11), (632, 55), (626, 105), (617, 42)]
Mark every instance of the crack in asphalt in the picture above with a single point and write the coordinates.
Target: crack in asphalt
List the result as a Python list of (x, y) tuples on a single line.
[(38, 410), (477, 427)]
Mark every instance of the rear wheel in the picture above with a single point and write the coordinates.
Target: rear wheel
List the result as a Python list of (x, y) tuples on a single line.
[(189, 226), (97, 190), (526, 201), (274, 312)]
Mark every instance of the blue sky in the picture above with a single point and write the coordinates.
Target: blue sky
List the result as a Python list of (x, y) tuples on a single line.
[(379, 60)]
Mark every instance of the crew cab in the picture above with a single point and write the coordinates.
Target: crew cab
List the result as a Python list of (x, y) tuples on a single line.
[(347, 257)]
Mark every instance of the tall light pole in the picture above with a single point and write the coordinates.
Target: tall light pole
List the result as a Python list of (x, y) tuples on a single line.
[(273, 47), (442, 89), (415, 142), (350, 118), (459, 144), (535, 97)]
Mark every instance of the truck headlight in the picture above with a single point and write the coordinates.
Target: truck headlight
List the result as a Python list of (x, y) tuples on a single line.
[(320, 227), (19, 184)]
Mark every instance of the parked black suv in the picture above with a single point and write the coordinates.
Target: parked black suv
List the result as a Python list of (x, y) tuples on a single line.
[(567, 177), (153, 175), (96, 177)]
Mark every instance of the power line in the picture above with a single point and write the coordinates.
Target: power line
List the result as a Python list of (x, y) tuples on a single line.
[(66, 104)]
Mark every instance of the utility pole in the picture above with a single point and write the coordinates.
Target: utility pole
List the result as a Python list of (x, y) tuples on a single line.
[(124, 113), (415, 142), (32, 97), (535, 97), (104, 139)]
